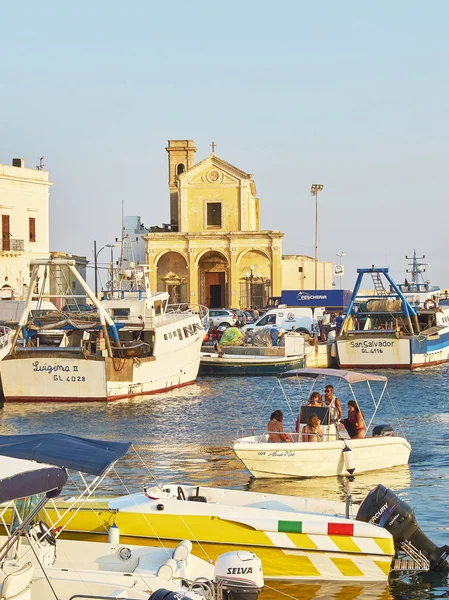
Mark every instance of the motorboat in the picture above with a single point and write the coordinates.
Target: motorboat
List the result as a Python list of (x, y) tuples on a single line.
[(218, 363), (133, 343), (403, 326), (336, 454), (41, 565)]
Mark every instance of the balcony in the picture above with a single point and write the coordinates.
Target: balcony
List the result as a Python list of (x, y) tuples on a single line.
[(11, 245)]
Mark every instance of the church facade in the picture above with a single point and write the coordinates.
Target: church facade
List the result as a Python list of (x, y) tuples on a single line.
[(213, 252)]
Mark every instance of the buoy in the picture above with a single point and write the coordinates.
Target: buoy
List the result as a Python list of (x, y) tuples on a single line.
[(114, 535), (349, 460)]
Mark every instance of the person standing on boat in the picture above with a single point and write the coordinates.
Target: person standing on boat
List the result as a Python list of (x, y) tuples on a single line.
[(275, 429), (354, 424), (333, 403)]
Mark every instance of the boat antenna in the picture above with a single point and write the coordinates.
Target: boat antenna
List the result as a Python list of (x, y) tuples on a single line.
[(416, 267)]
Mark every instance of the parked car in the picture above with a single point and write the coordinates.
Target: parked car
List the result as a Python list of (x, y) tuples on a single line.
[(222, 316), (241, 315), (249, 317)]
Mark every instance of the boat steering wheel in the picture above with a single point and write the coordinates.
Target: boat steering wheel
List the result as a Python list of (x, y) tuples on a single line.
[(47, 533)]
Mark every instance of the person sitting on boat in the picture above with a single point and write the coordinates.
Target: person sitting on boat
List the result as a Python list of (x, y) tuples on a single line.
[(315, 399), (275, 428), (312, 431), (333, 403), (354, 424)]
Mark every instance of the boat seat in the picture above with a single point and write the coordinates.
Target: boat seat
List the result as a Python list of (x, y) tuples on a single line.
[(182, 551), (16, 583), (167, 569)]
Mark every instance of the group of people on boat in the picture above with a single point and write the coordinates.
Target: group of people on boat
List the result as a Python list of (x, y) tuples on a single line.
[(312, 432)]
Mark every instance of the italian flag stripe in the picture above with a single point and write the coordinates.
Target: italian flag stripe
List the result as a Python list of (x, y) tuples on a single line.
[(290, 526)]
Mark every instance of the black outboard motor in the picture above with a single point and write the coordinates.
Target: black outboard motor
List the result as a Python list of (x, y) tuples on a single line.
[(382, 507), (163, 594)]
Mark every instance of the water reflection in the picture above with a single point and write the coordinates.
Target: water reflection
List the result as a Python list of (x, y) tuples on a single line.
[(326, 591), (333, 488)]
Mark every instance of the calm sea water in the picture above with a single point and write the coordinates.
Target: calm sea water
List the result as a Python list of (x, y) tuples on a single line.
[(184, 436)]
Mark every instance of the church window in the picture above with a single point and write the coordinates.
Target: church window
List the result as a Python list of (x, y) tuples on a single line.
[(180, 169), (214, 214)]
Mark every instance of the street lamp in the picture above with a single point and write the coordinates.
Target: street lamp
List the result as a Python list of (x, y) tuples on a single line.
[(340, 271), (316, 187), (111, 246)]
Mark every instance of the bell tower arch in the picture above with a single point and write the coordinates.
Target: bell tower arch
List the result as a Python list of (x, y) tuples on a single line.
[(181, 157)]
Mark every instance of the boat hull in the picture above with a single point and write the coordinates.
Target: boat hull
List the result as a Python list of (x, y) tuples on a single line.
[(324, 459), (390, 352), (240, 365), (52, 377)]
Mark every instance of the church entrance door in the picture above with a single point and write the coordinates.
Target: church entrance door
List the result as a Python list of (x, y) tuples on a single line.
[(215, 290)]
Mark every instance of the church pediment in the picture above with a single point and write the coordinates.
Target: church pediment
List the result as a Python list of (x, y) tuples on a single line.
[(213, 170)]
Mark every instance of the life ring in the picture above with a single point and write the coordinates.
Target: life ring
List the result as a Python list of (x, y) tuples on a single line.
[(430, 304)]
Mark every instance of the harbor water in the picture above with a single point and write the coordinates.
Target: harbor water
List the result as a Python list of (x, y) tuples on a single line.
[(184, 436)]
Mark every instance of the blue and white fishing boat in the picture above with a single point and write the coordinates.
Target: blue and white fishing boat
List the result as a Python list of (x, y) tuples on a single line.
[(394, 326)]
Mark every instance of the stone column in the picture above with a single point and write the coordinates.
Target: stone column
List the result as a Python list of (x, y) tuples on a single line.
[(276, 271), (234, 299), (193, 277), (152, 270)]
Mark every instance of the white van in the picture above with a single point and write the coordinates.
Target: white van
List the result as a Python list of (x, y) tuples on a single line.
[(301, 319)]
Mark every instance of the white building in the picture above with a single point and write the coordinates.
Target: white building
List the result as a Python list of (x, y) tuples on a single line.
[(24, 213)]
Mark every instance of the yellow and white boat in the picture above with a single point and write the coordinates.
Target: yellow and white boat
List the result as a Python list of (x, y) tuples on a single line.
[(296, 538)]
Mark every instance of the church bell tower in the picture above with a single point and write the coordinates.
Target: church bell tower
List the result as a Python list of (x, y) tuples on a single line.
[(181, 157)]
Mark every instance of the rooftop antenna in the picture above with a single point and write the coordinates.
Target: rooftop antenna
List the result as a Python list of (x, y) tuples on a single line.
[(40, 166)]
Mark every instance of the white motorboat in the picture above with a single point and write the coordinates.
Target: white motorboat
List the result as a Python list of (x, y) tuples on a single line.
[(40, 566), (336, 454), (132, 344)]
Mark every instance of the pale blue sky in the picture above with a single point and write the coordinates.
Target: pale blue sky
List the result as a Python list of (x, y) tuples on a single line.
[(350, 94)]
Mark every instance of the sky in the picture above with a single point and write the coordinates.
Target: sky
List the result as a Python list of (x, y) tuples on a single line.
[(349, 94)]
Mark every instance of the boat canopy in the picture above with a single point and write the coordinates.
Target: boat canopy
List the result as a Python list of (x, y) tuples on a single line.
[(348, 376), (79, 454), (22, 478)]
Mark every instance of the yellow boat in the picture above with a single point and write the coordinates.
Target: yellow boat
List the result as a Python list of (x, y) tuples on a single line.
[(296, 538)]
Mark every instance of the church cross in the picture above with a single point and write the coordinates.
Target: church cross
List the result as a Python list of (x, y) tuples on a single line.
[(213, 147)]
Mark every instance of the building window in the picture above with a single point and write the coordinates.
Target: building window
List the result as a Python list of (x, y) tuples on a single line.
[(32, 228), (214, 214), (6, 234), (180, 169), (300, 269)]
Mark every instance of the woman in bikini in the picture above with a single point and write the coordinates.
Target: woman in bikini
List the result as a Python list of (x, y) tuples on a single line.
[(312, 431), (275, 429), (355, 424)]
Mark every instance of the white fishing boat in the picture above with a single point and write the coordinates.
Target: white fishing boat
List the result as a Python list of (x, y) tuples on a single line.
[(336, 454), (5, 341), (39, 565), (134, 343), (401, 326)]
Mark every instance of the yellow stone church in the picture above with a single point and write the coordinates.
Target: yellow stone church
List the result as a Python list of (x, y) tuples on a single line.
[(213, 251)]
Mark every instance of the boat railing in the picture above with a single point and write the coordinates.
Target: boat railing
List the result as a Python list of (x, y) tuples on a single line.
[(179, 311)]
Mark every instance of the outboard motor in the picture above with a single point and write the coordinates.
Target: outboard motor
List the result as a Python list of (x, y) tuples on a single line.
[(382, 507), (239, 575)]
